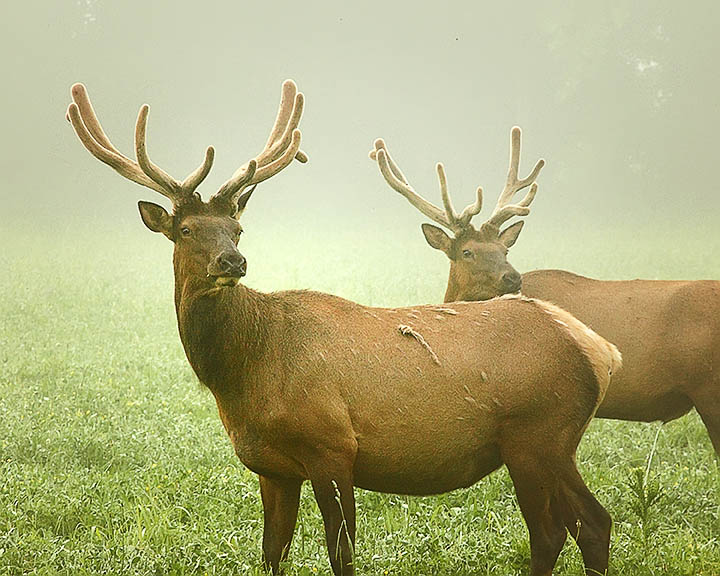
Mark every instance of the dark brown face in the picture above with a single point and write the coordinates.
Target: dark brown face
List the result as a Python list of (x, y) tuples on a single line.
[(210, 243), (205, 237), (479, 269)]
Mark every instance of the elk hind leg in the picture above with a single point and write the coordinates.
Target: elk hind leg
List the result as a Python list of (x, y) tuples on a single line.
[(707, 404), (586, 520)]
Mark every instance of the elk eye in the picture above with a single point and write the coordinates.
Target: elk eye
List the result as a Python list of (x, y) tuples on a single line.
[(467, 253), (185, 231)]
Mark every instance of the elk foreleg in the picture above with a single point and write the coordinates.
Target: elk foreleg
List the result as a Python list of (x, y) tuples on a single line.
[(280, 498), (333, 487)]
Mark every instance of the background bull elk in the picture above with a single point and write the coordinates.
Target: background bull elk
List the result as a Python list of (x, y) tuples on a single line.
[(668, 331), (409, 400)]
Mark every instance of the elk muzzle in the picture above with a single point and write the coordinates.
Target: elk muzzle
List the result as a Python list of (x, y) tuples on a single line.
[(511, 282), (227, 268)]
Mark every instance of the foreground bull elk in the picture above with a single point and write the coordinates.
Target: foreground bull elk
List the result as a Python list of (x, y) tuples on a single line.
[(668, 331), (409, 400)]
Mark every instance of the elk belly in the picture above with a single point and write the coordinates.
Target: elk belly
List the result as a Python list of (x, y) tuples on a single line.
[(422, 464)]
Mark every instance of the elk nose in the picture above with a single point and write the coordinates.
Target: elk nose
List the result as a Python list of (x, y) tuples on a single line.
[(231, 264), (512, 281)]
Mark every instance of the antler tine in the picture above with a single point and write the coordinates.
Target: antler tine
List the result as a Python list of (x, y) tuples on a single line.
[(458, 223), (445, 195), (241, 180), (397, 181), (379, 144), (289, 91), (504, 210), (82, 100), (473, 209), (195, 178), (273, 168), (512, 184), (529, 197), (157, 174)]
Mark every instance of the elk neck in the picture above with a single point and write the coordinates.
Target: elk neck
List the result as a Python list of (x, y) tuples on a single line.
[(452, 291), (223, 330)]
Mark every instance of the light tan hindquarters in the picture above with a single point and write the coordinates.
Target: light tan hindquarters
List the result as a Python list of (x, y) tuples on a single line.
[(604, 356)]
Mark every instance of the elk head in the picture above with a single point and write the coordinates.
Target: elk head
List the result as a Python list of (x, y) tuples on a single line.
[(205, 234), (479, 268)]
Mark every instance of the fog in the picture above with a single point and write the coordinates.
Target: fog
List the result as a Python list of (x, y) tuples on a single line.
[(622, 100)]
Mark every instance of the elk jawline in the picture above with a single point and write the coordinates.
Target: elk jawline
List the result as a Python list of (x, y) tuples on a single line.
[(226, 281)]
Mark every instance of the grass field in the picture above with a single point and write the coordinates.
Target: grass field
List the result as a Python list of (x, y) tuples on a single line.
[(113, 459)]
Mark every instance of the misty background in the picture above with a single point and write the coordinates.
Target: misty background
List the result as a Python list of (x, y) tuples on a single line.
[(621, 99)]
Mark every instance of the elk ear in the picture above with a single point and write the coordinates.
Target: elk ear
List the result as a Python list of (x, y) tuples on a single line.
[(509, 236), (243, 200), (156, 218), (437, 238)]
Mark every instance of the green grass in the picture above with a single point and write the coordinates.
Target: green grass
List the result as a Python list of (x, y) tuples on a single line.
[(113, 459)]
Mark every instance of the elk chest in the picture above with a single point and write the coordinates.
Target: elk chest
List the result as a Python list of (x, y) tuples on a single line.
[(262, 447)]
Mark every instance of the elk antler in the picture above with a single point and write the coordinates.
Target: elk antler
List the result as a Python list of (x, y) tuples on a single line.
[(448, 217), (282, 147), (143, 171), (396, 179), (504, 210)]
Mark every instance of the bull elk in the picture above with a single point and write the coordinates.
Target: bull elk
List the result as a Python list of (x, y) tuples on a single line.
[(419, 400), (668, 331)]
